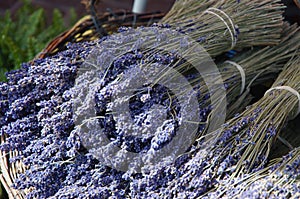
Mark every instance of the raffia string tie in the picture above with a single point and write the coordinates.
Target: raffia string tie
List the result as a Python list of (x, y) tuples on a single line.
[(242, 72), (232, 30), (291, 90)]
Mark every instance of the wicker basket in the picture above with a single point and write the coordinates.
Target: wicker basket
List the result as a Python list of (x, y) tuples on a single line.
[(83, 30), (9, 172)]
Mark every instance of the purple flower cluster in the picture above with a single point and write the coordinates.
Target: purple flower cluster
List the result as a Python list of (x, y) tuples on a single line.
[(37, 119), (140, 104), (37, 115)]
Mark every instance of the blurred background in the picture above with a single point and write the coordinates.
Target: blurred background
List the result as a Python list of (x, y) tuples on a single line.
[(65, 5), (293, 13)]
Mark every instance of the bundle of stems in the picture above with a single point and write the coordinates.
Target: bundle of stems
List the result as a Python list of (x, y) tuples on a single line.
[(280, 179), (185, 9), (257, 65), (228, 24), (269, 115), (253, 132)]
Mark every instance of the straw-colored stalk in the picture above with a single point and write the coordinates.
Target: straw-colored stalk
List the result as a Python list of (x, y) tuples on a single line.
[(223, 25)]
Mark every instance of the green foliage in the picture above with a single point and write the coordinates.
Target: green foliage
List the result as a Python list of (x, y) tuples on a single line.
[(24, 35)]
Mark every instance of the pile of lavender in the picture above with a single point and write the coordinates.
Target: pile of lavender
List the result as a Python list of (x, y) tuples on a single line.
[(58, 115)]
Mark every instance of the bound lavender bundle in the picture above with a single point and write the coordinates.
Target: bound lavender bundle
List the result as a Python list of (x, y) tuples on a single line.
[(280, 179), (228, 24), (279, 104), (243, 145)]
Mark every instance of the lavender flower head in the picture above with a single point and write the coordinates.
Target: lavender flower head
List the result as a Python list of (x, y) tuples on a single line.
[(146, 108)]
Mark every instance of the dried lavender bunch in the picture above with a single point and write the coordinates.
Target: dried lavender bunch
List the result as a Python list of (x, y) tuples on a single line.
[(38, 118), (280, 179), (229, 24), (275, 108), (242, 147)]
